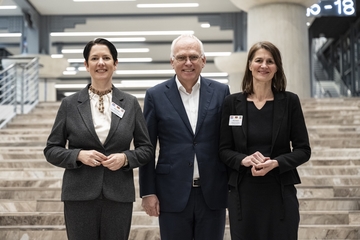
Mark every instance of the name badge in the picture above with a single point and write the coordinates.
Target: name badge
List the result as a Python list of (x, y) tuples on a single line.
[(235, 120), (118, 111)]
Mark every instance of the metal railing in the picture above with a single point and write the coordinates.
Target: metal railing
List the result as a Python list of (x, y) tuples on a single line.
[(19, 89)]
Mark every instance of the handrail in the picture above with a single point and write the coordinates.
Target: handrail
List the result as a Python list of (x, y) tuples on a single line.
[(19, 89)]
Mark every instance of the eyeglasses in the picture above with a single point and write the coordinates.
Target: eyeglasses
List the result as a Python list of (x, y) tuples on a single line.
[(192, 58)]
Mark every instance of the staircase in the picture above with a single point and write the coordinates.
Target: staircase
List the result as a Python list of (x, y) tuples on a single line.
[(329, 196)]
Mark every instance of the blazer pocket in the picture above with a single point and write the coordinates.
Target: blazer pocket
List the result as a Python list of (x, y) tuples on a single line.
[(163, 168)]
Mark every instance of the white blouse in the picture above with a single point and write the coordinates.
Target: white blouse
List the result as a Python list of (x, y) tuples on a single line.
[(101, 121)]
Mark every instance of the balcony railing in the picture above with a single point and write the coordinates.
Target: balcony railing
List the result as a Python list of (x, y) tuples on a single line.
[(19, 89)]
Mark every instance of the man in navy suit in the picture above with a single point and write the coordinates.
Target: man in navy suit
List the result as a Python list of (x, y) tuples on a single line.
[(187, 186)]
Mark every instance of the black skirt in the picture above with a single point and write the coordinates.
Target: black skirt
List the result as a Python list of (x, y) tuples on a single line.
[(263, 209)]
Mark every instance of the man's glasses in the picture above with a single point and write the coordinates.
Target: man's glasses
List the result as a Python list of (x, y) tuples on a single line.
[(192, 58)]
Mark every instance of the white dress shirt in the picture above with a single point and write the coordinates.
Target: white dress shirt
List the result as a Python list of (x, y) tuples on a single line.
[(191, 104)]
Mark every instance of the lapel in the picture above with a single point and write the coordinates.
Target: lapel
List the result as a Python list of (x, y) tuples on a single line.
[(118, 99), (241, 109), (85, 111), (279, 111), (172, 93), (205, 96)]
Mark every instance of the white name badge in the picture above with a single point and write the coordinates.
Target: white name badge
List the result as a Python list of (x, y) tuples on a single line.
[(118, 111), (235, 120)]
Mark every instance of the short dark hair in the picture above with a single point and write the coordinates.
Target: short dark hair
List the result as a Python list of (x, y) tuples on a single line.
[(279, 80), (102, 41)]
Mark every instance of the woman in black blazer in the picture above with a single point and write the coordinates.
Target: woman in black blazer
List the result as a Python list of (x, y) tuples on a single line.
[(263, 139), (91, 139)]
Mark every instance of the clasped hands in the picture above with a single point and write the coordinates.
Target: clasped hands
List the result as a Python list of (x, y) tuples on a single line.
[(259, 164), (94, 158)]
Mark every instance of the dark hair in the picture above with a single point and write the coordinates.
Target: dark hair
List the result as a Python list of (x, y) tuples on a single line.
[(102, 41), (279, 80)]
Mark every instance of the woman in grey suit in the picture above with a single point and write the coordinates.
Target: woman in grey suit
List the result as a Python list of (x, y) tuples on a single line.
[(91, 139), (263, 139)]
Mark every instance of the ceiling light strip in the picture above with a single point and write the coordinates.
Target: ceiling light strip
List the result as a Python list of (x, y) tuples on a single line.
[(168, 5), (104, 0), (147, 33), (9, 7)]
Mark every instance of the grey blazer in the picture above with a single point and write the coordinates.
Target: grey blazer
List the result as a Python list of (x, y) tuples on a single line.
[(74, 130)]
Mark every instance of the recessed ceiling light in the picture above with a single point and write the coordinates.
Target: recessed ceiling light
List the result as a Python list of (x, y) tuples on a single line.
[(167, 5), (205, 25), (57, 56), (217, 54)]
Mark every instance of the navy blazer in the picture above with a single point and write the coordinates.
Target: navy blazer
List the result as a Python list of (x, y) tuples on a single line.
[(288, 127), (74, 130), (168, 124)]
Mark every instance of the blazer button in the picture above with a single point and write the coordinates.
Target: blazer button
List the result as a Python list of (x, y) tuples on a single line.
[(190, 164)]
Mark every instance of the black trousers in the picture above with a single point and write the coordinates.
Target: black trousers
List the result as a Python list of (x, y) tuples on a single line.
[(99, 219), (196, 222)]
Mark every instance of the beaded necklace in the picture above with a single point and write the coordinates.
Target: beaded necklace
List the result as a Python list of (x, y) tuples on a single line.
[(101, 94)]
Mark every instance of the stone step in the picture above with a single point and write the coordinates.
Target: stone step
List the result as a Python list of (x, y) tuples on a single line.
[(335, 152), (23, 138), (332, 232), (328, 170), (349, 121), (9, 149), (304, 191), (23, 131), (31, 182), (140, 232), (51, 172), (330, 204), (306, 204), (32, 193), (38, 125), (29, 193), (334, 129), (333, 161), (141, 218), (25, 163), (40, 143), (341, 135), (57, 218), (336, 142), (331, 180)]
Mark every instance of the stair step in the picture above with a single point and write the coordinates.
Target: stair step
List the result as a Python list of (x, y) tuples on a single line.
[(306, 232)]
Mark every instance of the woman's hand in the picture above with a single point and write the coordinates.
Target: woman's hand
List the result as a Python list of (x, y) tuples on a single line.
[(262, 169), (115, 161), (91, 158), (254, 159)]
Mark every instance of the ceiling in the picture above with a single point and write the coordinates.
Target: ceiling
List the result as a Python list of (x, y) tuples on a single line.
[(116, 16)]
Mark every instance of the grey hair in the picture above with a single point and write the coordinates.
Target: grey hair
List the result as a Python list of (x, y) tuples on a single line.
[(186, 36)]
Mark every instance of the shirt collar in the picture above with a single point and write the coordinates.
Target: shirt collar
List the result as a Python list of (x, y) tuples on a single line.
[(181, 87)]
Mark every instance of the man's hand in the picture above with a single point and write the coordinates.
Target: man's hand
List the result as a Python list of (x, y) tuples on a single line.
[(151, 205)]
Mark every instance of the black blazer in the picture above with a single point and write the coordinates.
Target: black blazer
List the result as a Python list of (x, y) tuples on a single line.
[(74, 130), (290, 142)]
